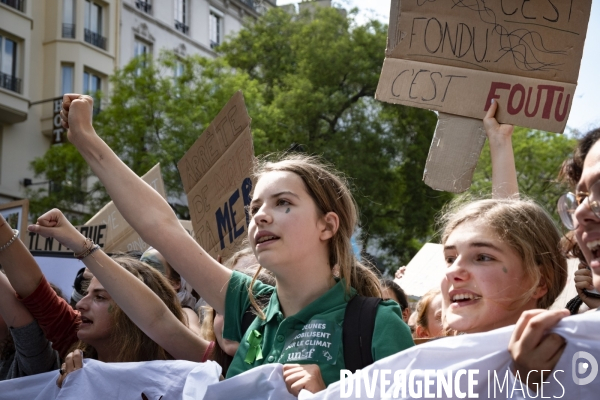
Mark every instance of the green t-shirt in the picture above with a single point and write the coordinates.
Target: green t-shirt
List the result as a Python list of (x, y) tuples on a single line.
[(312, 336)]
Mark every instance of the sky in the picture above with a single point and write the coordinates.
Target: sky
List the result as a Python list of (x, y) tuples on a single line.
[(585, 114)]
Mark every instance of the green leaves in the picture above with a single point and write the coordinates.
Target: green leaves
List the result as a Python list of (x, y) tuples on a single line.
[(307, 79), (538, 158)]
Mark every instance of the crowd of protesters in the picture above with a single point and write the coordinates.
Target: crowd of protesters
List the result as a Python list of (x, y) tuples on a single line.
[(506, 265)]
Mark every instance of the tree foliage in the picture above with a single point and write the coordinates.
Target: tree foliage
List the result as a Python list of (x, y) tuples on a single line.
[(308, 80), (538, 158)]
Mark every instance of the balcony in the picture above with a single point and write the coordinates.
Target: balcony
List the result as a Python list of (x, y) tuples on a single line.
[(94, 38), (144, 6), (68, 31), (181, 27), (249, 3), (10, 82), (17, 4)]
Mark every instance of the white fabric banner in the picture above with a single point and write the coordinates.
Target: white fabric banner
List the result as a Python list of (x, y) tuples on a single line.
[(467, 366), (477, 366), (98, 380)]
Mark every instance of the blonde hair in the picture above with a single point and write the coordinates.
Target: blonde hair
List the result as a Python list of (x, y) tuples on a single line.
[(423, 307), (525, 227), (330, 192)]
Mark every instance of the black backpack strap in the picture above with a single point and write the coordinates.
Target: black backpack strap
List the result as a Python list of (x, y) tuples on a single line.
[(357, 331), (247, 319), (250, 314)]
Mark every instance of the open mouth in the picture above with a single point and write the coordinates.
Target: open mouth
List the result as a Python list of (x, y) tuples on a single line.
[(86, 321), (464, 299), (266, 239), (594, 247)]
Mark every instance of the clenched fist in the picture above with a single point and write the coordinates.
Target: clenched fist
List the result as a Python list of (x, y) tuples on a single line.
[(76, 115)]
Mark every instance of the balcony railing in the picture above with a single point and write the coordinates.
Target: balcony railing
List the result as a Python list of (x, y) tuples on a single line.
[(144, 6), (249, 3), (68, 31), (18, 4), (10, 82), (94, 38), (181, 27)]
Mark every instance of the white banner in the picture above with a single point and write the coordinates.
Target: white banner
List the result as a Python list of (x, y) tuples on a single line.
[(97, 380), (467, 366), (477, 366)]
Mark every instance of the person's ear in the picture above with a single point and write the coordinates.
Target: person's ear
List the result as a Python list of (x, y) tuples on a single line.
[(541, 289), (421, 333), (406, 314), (329, 225)]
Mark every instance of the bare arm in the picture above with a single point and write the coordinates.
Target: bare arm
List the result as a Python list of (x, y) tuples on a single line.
[(143, 208), (504, 174), (12, 311), (21, 268), (150, 314)]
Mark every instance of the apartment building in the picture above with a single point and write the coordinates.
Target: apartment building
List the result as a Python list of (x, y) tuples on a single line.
[(185, 26), (51, 47)]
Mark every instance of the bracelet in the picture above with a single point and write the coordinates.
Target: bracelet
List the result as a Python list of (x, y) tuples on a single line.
[(88, 248), (12, 239)]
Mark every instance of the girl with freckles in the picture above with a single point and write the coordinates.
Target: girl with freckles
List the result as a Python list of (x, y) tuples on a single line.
[(301, 219)]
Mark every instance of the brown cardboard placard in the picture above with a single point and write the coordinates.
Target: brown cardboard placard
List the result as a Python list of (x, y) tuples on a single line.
[(216, 172), (36, 242), (454, 152), (120, 236), (533, 103), (454, 57)]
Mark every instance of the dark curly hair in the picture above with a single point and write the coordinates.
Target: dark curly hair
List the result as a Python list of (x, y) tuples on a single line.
[(571, 169)]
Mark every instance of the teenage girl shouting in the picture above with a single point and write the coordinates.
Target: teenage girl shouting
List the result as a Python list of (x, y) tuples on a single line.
[(302, 217)]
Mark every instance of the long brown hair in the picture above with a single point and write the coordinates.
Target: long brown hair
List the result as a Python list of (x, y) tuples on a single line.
[(134, 345), (330, 192)]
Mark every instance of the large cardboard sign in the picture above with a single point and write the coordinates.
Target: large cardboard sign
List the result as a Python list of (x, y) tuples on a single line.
[(455, 57), (120, 236), (216, 175)]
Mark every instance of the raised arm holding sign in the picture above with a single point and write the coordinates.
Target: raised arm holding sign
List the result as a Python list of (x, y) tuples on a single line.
[(146, 211)]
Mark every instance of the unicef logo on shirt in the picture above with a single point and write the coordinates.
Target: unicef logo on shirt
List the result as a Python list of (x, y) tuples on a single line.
[(584, 364)]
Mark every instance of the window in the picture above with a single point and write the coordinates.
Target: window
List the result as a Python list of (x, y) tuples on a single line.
[(18, 4), (144, 5), (215, 26), (143, 50), (91, 85), (68, 26), (93, 24), (8, 65), (181, 18), (178, 70), (67, 79)]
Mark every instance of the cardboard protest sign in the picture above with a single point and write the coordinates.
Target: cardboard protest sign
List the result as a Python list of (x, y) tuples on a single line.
[(456, 57), (425, 271), (216, 176), (454, 152), (120, 236), (36, 242)]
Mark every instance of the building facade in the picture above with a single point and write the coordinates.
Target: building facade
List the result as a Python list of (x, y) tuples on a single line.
[(52, 47)]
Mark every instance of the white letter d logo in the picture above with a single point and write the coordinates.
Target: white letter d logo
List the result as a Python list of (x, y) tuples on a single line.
[(591, 365)]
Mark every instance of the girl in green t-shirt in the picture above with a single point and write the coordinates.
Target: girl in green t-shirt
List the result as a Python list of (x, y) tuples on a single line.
[(300, 221)]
